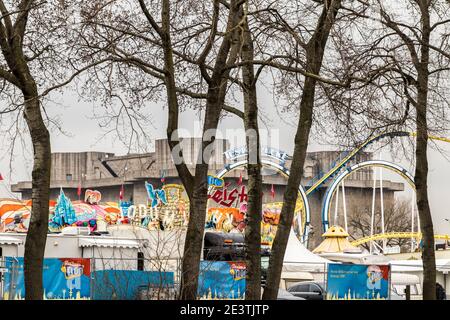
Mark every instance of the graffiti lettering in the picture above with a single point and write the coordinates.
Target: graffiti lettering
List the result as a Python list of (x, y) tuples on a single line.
[(215, 181), (227, 198)]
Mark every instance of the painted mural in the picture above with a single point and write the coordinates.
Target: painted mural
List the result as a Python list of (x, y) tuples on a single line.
[(82, 214), (14, 215), (226, 219), (167, 208)]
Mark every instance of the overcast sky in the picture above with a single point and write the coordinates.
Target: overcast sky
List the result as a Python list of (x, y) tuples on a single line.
[(84, 134)]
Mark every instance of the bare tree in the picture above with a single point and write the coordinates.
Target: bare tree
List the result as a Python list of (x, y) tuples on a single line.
[(15, 72), (35, 60), (253, 227), (397, 218), (403, 55), (315, 49), (196, 55)]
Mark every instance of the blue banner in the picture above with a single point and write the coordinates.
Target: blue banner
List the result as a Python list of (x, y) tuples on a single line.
[(132, 285), (221, 280), (63, 278), (357, 282)]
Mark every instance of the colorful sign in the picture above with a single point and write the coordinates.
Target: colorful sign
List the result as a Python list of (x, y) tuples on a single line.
[(221, 280), (14, 215), (156, 196), (228, 198), (63, 278), (215, 182), (92, 196), (225, 219), (169, 209), (81, 214), (357, 282)]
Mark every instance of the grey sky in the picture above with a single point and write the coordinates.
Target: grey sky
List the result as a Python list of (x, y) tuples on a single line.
[(84, 133)]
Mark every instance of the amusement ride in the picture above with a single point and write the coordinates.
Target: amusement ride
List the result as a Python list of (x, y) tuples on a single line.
[(341, 169)]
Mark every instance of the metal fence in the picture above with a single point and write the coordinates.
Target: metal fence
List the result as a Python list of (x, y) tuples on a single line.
[(98, 279), (158, 279)]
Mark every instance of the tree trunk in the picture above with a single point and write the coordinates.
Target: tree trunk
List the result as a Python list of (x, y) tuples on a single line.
[(314, 56), (254, 186), (421, 174), (217, 88), (426, 223), (37, 232), (194, 241)]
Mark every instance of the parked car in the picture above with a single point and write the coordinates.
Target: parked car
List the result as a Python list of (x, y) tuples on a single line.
[(309, 290), (285, 295)]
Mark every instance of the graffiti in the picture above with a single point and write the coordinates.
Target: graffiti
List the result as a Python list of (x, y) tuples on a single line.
[(92, 196), (156, 196), (227, 198), (225, 219), (215, 181), (64, 213), (172, 211), (14, 215)]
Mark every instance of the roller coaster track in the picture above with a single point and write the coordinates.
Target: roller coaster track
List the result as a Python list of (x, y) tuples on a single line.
[(396, 235), (355, 151)]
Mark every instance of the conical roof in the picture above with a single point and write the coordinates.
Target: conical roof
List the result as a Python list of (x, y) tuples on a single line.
[(335, 232), (335, 241)]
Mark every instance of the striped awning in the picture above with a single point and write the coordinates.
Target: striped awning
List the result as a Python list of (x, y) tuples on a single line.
[(10, 240), (108, 243)]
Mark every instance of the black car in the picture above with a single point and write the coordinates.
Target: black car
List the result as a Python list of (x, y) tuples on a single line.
[(309, 290)]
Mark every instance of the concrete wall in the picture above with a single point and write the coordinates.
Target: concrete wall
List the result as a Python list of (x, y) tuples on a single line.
[(80, 165)]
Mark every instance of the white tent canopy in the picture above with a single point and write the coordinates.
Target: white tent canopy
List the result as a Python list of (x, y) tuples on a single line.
[(298, 258)]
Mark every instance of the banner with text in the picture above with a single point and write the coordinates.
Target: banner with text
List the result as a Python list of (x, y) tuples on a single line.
[(358, 282)]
